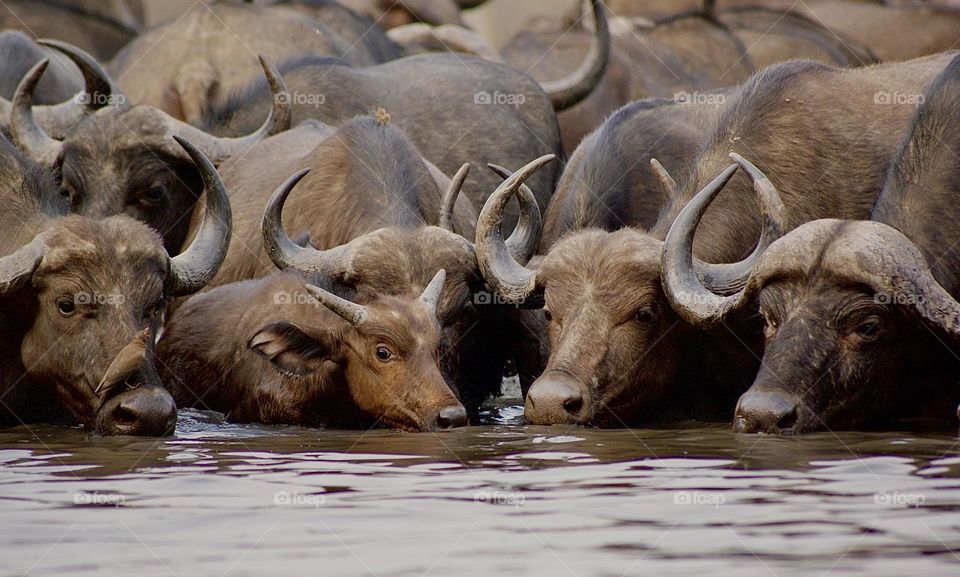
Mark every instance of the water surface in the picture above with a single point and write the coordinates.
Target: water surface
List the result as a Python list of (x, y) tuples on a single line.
[(501, 499)]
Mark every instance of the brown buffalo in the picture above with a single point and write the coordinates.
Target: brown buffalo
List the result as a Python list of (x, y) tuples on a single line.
[(619, 353), (81, 299)]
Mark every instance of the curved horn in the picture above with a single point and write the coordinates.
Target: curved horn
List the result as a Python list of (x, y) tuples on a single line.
[(502, 272), (348, 311), (192, 269), (568, 91), (691, 292), (285, 253), (98, 92), (525, 238), (96, 81), (449, 200), (219, 148), (25, 132), (431, 294), (16, 269), (731, 278)]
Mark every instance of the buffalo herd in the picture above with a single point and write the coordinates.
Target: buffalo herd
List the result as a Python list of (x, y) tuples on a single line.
[(352, 213)]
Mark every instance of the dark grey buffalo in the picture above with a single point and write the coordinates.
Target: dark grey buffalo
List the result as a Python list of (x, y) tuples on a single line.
[(115, 158), (455, 108), (861, 321), (81, 301)]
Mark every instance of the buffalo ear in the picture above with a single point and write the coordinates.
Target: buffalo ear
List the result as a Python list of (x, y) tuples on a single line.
[(291, 349)]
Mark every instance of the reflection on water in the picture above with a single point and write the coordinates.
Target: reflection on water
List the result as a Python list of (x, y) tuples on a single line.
[(502, 499)]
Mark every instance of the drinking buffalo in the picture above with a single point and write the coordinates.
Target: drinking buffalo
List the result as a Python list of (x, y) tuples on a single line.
[(860, 316), (81, 300)]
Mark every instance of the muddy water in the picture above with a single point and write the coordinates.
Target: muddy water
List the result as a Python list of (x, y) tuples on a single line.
[(501, 499)]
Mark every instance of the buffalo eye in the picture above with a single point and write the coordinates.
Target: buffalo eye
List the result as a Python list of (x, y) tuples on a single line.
[(66, 306), (869, 329), (384, 354), (645, 315), (156, 310), (769, 324), (547, 315), (154, 195)]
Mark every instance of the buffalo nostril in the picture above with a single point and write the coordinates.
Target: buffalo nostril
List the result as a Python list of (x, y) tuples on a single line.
[(555, 398), (788, 419), (573, 402), (452, 417)]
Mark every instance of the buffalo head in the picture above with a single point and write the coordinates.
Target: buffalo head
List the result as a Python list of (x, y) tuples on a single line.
[(615, 342), (91, 296), (120, 159)]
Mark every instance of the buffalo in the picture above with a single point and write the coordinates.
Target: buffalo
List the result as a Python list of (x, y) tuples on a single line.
[(618, 351), (186, 67), (82, 299), (372, 229), (436, 99), (116, 158), (860, 316), (85, 26)]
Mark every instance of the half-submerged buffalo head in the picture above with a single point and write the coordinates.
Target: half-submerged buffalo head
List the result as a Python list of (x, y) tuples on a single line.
[(387, 351), (844, 304), (96, 292), (615, 342)]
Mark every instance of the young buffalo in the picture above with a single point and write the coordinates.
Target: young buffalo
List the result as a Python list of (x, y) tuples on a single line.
[(81, 300)]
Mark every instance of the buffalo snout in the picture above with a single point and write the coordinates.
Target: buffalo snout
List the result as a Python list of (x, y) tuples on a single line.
[(555, 398), (451, 417), (147, 411), (766, 411)]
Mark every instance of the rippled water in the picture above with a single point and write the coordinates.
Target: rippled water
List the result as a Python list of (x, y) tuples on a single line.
[(501, 499)]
